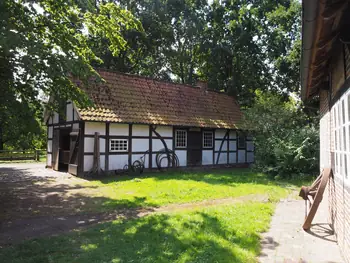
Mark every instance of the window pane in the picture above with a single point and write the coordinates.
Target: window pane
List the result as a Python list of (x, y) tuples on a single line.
[(181, 138), (207, 139), (241, 140), (118, 145)]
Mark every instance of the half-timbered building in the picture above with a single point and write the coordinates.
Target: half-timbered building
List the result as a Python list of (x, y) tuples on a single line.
[(159, 124)]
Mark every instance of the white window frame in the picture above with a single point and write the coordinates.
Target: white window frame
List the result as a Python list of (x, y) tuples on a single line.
[(341, 141), (122, 150), (212, 139), (176, 138)]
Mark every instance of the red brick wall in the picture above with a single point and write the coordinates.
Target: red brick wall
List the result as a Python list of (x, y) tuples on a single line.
[(338, 191)]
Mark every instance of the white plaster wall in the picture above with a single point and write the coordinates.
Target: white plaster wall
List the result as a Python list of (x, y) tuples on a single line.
[(233, 145), (163, 163), (50, 120), (69, 112), (117, 162), (250, 157), (55, 117), (119, 129), (232, 157), (182, 156), (140, 130), (76, 115), (89, 161), (224, 146), (135, 157), (92, 127), (207, 157), (222, 158), (250, 146), (241, 156), (49, 159), (233, 134), (75, 126), (164, 131), (140, 145), (50, 132), (89, 145), (49, 145), (158, 145), (220, 133)]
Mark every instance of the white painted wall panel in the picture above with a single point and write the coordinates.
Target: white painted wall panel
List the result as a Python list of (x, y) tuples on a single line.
[(117, 162), (55, 117), (140, 145), (92, 127), (250, 146), (182, 156), (50, 120), (165, 131), (232, 157), (233, 134), (233, 145), (50, 132), (140, 130), (222, 158), (49, 159), (49, 145), (250, 157), (217, 146), (138, 157), (88, 162), (75, 126), (69, 112), (76, 115), (220, 133), (163, 161), (241, 156), (89, 145), (119, 129), (158, 145), (207, 157)]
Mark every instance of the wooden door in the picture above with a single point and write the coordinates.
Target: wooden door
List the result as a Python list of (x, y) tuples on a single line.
[(55, 149), (194, 148)]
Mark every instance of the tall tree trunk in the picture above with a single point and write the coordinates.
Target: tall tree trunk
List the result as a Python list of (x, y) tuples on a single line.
[(1, 139)]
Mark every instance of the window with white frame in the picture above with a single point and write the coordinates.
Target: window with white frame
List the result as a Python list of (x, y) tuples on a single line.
[(180, 138), (341, 135), (118, 145), (207, 139)]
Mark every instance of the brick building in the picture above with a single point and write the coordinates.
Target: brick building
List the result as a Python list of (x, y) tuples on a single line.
[(325, 72)]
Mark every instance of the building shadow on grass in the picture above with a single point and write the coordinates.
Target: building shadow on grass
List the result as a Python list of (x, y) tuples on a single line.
[(155, 238)]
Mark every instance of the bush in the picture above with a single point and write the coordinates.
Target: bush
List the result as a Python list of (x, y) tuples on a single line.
[(286, 139)]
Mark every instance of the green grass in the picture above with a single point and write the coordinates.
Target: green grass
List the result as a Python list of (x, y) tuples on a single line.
[(214, 234), (160, 189)]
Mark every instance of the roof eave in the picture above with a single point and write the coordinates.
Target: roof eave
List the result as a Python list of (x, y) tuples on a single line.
[(309, 23)]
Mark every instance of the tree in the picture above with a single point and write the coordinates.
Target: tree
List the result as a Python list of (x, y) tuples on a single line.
[(44, 43), (286, 139)]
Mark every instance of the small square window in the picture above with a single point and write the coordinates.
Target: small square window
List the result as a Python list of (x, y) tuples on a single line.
[(118, 145), (180, 138), (208, 139), (241, 140)]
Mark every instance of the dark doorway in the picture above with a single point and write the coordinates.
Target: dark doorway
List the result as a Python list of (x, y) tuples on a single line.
[(194, 148)]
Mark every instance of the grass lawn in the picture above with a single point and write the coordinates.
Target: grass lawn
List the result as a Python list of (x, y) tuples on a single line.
[(213, 234), (159, 189)]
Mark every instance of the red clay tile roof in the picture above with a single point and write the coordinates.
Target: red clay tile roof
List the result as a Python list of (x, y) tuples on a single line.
[(134, 99)]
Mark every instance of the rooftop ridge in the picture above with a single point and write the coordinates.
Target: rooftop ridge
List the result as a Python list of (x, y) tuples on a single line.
[(159, 80)]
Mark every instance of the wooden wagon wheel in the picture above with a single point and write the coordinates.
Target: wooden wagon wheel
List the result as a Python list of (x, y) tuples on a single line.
[(313, 196)]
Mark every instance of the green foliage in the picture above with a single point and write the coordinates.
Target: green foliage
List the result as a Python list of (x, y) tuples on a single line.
[(43, 44), (286, 139)]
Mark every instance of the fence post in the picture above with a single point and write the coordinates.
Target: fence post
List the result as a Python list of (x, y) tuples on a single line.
[(36, 155)]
